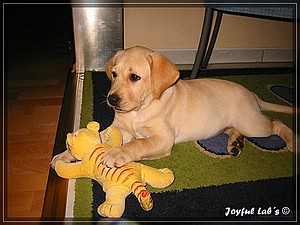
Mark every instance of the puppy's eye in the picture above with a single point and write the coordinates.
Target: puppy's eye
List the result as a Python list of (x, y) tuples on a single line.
[(134, 77), (114, 75)]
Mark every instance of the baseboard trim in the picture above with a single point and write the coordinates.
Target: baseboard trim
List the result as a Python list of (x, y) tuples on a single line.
[(232, 55)]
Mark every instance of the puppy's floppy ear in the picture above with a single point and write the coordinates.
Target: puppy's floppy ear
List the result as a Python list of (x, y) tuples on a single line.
[(110, 64), (163, 73)]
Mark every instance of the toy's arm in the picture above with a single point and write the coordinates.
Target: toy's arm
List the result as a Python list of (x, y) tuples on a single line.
[(68, 170), (65, 156)]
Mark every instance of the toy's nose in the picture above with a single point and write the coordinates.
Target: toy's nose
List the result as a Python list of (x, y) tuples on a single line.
[(114, 99)]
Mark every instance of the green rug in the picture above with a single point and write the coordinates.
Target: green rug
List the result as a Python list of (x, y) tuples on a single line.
[(192, 167)]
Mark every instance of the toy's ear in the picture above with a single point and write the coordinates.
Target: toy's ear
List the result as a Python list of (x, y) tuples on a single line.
[(69, 140), (113, 136), (163, 73), (93, 126)]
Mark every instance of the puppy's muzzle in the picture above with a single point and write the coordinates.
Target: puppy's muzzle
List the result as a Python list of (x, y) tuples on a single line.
[(114, 99)]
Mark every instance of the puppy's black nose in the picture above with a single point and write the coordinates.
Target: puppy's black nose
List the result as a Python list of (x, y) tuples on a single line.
[(114, 99)]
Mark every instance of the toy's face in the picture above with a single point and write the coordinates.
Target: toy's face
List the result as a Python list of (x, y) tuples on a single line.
[(71, 147), (80, 142)]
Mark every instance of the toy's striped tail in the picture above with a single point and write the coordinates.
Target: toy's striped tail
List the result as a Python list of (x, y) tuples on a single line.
[(142, 195)]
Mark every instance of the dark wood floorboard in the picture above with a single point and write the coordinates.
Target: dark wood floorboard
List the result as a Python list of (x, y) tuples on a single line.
[(38, 54)]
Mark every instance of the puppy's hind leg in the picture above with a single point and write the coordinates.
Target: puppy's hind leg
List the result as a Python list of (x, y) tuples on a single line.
[(284, 132), (235, 142), (259, 125)]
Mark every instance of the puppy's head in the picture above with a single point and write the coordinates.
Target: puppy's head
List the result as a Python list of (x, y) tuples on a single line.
[(138, 75)]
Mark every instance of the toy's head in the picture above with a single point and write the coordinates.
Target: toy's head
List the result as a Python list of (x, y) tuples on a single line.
[(79, 142)]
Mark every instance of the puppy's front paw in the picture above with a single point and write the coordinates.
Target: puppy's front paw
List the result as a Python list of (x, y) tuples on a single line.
[(116, 157)]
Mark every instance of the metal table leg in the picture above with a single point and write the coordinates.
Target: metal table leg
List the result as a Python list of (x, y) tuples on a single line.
[(206, 28), (212, 40)]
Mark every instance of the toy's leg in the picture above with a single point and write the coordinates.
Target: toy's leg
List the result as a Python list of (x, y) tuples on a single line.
[(114, 205), (158, 178)]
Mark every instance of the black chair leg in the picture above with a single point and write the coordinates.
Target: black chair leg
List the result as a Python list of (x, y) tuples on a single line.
[(208, 17)]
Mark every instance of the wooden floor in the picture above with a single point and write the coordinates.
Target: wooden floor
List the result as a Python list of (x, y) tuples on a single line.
[(38, 56)]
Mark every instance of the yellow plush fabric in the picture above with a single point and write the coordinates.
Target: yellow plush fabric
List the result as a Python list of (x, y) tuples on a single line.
[(118, 183)]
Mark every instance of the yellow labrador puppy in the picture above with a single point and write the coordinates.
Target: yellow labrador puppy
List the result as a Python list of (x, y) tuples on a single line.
[(154, 109)]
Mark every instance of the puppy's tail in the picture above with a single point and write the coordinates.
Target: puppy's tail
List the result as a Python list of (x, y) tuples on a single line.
[(267, 106)]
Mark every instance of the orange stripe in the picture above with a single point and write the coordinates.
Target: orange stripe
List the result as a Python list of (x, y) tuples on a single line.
[(99, 156), (136, 182), (94, 152), (126, 178), (112, 176), (137, 188), (103, 168), (122, 172), (100, 163), (107, 172), (144, 193)]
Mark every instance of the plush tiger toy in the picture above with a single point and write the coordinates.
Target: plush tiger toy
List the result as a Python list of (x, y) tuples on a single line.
[(118, 183)]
